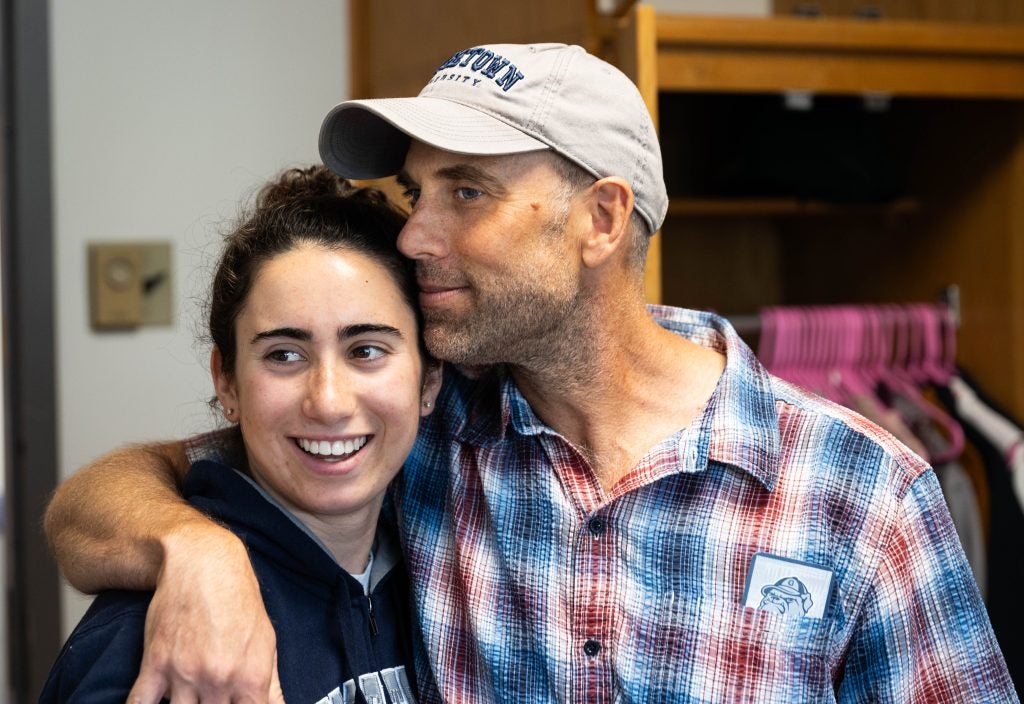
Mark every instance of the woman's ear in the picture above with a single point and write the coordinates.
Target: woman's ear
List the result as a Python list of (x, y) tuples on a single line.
[(432, 377), (610, 204), (224, 385)]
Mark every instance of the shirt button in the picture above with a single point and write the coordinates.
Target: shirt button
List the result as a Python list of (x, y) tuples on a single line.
[(591, 648), (596, 526)]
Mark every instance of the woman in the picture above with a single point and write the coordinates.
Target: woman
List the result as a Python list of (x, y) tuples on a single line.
[(317, 360)]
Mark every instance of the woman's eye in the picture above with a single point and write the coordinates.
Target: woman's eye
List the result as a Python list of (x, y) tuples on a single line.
[(467, 193), (284, 356), (368, 352)]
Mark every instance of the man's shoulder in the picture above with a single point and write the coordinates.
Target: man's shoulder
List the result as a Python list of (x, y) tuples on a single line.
[(844, 442)]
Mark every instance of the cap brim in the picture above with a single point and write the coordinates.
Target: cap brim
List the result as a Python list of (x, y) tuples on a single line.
[(369, 138)]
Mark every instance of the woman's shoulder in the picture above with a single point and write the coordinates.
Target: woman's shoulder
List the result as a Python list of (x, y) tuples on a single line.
[(104, 652)]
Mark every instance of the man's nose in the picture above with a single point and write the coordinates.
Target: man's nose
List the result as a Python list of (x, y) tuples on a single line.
[(423, 236)]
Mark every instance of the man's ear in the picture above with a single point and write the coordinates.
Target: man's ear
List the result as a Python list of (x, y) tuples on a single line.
[(610, 203), (224, 385), (432, 376)]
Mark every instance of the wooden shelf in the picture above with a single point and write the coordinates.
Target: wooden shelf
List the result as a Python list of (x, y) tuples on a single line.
[(840, 56), (733, 207), (964, 158)]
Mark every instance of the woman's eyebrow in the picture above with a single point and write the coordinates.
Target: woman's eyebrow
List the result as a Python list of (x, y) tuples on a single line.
[(346, 332), (290, 333), (365, 328)]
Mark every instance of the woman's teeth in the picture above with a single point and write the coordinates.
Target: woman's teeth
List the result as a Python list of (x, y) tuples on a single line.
[(338, 448)]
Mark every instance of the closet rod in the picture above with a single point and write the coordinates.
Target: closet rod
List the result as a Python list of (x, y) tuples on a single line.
[(750, 323)]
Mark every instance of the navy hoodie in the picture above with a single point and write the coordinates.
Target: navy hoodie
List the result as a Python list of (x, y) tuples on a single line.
[(332, 640)]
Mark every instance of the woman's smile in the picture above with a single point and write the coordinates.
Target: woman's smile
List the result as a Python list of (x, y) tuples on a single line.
[(332, 449), (328, 381)]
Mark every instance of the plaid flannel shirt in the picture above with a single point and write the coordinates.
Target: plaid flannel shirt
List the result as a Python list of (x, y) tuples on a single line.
[(532, 584)]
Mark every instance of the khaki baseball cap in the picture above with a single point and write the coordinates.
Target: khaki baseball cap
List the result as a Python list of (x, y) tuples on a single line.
[(509, 99)]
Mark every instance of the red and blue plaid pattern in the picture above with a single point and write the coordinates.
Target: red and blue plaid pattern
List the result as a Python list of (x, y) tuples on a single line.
[(532, 584)]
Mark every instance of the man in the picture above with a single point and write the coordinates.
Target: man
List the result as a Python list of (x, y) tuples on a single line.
[(585, 514)]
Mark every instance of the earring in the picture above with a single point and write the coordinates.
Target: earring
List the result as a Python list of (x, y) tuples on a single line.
[(427, 404), (228, 412)]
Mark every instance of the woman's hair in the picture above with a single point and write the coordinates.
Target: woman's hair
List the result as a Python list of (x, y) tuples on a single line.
[(305, 206)]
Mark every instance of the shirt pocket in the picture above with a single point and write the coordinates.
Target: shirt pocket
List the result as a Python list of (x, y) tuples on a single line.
[(729, 652)]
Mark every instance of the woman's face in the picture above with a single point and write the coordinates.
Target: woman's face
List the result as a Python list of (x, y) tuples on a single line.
[(328, 381)]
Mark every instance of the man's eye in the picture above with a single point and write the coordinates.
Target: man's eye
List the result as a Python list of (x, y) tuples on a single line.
[(368, 352), (411, 195), (467, 193), (284, 356)]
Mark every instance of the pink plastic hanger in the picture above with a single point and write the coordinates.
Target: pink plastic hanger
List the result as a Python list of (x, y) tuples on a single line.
[(766, 340), (906, 376)]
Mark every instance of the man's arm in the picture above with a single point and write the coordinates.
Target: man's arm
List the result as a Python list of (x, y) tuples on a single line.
[(107, 524), (923, 634), (121, 523)]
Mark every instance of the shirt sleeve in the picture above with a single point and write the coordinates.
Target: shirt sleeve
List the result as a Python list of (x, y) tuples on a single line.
[(224, 446), (924, 634)]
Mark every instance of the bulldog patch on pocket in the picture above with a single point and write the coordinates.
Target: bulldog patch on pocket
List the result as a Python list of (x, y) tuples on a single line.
[(786, 587)]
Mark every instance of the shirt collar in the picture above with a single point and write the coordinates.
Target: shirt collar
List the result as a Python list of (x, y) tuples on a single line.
[(739, 426)]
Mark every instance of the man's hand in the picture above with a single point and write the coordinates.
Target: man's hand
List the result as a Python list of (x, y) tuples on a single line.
[(121, 523), (208, 637)]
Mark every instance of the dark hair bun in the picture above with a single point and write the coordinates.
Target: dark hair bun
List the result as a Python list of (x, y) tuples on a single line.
[(312, 206), (313, 184)]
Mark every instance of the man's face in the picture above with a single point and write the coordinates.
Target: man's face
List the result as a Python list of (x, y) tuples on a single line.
[(497, 263)]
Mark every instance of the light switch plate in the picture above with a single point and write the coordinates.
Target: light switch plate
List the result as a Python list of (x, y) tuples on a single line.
[(130, 284), (115, 285)]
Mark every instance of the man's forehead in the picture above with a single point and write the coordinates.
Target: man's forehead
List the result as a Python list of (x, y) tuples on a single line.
[(423, 160)]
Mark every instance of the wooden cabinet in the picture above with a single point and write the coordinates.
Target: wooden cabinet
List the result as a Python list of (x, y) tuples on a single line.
[(396, 45), (924, 121), (938, 107), (945, 10)]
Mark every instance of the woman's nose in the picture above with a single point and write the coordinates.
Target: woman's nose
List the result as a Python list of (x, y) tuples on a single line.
[(330, 396)]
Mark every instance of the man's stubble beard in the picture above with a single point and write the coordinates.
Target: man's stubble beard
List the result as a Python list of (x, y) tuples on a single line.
[(536, 322), (528, 324)]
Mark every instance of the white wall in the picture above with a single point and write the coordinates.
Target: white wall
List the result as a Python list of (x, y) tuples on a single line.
[(165, 114)]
